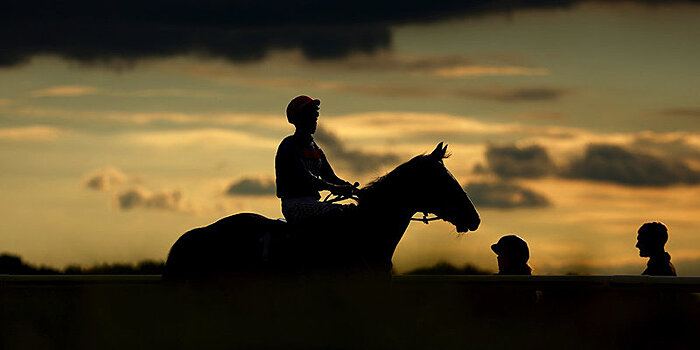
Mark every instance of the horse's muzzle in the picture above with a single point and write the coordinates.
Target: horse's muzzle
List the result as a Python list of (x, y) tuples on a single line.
[(461, 228)]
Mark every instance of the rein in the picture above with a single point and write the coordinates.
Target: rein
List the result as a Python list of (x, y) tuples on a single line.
[(339, 198), (425, 219)]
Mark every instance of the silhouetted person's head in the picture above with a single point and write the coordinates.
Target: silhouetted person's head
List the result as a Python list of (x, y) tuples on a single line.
[(651, 238), (513, 255), (302, 111)]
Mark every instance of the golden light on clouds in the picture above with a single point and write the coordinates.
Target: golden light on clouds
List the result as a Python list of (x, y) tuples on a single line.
[(84, 90), (30, 133), (213, 118), (66, 91), (402, 124), (204, 138), (479, 71)]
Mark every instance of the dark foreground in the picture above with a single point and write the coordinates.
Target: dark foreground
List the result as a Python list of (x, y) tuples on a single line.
[(415, 312)]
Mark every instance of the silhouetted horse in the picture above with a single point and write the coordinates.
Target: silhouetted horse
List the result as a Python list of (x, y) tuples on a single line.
[(361, 240)]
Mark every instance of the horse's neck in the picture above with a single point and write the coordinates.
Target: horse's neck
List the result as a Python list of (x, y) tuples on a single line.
[(388, 214)]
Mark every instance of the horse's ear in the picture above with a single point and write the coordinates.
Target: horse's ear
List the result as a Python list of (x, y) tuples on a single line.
[(438, 153)]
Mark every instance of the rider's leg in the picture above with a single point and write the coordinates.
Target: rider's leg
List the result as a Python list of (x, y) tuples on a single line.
[(297, 209)]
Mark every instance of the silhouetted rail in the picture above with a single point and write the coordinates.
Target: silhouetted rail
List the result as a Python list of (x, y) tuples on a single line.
[(417, 312), (685, 284)]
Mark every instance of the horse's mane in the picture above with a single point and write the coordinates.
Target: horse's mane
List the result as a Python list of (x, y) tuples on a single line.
[(379, 184)]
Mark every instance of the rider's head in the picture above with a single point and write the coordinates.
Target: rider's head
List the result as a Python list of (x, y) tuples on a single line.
[(651, 238), (302, 111)]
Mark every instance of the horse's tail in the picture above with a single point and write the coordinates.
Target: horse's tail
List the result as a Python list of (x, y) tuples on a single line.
[(179, 265)]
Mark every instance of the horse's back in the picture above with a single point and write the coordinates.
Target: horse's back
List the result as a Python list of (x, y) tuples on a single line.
[(230, 244)]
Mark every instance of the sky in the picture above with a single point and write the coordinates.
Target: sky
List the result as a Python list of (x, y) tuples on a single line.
[(125, 124)]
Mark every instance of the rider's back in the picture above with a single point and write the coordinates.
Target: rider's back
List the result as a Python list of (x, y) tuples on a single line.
[(296, 161)]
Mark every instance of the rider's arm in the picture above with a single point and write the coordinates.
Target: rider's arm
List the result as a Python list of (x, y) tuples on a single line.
[(328, 174)]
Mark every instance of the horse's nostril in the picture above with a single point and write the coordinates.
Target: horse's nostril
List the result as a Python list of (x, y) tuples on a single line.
[(475, 225)]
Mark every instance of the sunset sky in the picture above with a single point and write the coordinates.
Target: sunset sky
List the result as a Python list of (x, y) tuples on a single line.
[(123, 126)]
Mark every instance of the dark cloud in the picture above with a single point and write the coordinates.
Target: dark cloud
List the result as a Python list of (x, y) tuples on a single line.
[(531, 94), (121, 32), (679, 146), (613, 163), (104, 179), (357, 161), (681, 112), (544, 115), (141, 198), (511, 161), (390, 62), (126, 31), (508, 95), (252, 186), (504, 195)]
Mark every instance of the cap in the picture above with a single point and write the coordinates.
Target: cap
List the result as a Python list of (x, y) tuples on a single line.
[(513, 245), (297, 104)]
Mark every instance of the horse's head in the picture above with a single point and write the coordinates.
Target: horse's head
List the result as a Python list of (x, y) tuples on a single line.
[(438, 192)]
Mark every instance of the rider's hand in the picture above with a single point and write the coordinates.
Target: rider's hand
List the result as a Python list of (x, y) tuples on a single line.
[(343, 190)]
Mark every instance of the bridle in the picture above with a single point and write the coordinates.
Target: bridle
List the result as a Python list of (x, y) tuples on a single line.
[(425, 219), (339, 197)]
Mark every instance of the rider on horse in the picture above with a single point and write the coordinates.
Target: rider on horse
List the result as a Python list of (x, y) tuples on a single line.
[(302, 169)]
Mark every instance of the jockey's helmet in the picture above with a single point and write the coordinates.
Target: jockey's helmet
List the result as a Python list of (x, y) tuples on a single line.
[(296, 105)]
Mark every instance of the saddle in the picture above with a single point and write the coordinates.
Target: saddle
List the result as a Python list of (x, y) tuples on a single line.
[(312, 231)]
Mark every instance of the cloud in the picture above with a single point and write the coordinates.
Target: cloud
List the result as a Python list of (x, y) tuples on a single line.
[(105, 179), (30, 133), (528, 94), (498, 94), (395, 62), (172, 92), (677, 145), (511, 161), (271, 121), (65, 91), (137, 197), (504, 195), (400, 125), (210, 137), (356, 160), (134, 197), (84, 90), (680, 112), (617, 164), (437, 66), (123, 32), (481, 70), (252, 186), (552, 116)]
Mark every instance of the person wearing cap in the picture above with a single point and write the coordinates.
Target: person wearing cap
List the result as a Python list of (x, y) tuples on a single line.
[(301, 166), (651, 239), (513, 254)]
